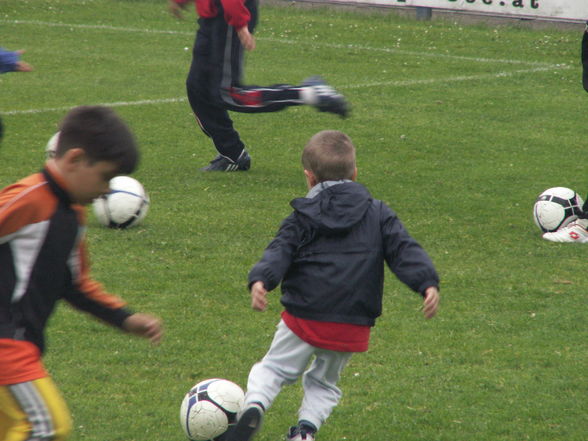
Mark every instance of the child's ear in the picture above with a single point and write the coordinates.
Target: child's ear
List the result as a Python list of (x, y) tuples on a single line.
[(310, 178), (354, 177), (72, 158)]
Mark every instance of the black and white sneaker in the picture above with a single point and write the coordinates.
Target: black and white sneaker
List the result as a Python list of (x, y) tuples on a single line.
[(248, 425), (325, 98), (297, 433), (224, 164)]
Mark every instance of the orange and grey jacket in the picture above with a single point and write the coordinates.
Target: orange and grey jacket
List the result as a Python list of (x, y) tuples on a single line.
[(43, 259)]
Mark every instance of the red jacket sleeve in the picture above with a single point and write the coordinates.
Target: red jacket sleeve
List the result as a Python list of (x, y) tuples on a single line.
[(236, 14)]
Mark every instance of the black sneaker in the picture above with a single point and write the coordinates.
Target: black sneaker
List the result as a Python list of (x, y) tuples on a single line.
[(248, 425), (297, 433), (328, 99), (224, 164)]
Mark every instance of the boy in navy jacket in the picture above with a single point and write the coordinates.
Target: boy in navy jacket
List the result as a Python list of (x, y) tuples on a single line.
[(329, 257)]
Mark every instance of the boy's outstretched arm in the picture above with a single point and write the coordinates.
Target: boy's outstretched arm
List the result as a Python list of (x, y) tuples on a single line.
[(431, 302), (175, 7), (258, 296), (10, 62), (144, 325)]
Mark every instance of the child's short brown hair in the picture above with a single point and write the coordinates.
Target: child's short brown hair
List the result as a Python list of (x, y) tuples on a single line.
[(330, 156), (102, 134)]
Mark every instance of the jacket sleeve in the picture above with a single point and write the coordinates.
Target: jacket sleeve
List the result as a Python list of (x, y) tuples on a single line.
[(404, 256), (236, 14), (278, 255), (8, 60), (88, 295)]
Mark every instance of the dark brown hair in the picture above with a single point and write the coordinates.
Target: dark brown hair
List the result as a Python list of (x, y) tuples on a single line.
[(102, 134)]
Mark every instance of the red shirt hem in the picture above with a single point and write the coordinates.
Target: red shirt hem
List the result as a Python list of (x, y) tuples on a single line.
[(341, 337), (20, 361)]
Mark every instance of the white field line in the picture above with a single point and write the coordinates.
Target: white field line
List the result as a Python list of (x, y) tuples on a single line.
[(115, 104), (539, 67), (489, 76), (395, 83), (356, 47), (359, 47), (89, 26)]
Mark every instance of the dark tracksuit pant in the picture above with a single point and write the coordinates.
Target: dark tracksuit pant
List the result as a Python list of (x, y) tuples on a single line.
[(585, 83), (585, 60), (214, 83)]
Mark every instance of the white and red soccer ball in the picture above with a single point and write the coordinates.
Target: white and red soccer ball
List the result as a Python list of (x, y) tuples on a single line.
[(556, 207)]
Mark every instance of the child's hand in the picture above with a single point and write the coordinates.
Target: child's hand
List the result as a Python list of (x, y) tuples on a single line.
[(258, 296), (144, 325), (431, 302), (175, 8), (22, 66), (246, 39)]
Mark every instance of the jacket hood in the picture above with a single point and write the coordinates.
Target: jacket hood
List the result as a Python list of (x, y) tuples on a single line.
[(335, 209)]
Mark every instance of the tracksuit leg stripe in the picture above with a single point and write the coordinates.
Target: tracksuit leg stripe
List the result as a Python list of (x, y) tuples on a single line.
[(33, 411), (33, 405)]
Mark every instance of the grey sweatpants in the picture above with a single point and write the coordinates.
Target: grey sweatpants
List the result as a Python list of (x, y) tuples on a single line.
[(286, 360)]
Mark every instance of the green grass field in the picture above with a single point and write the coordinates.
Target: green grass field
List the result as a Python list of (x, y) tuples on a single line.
[(458, 127)]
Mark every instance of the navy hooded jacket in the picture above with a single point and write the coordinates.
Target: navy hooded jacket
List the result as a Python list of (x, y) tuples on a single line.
[(329, 256)]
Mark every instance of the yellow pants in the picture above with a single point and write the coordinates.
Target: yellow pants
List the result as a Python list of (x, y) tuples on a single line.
[(33, 410)]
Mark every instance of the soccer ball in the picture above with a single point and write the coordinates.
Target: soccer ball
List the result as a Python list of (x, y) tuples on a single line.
[(51, 146), (556, 207), (125, 206), (209, 408)]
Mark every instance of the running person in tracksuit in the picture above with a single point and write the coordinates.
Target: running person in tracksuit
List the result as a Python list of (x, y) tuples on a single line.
[(43, 259), (329, 257), (214, 81)]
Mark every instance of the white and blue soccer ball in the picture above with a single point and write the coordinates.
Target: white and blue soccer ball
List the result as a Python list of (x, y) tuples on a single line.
[(556, 207), (125, 206), (210, 408)]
